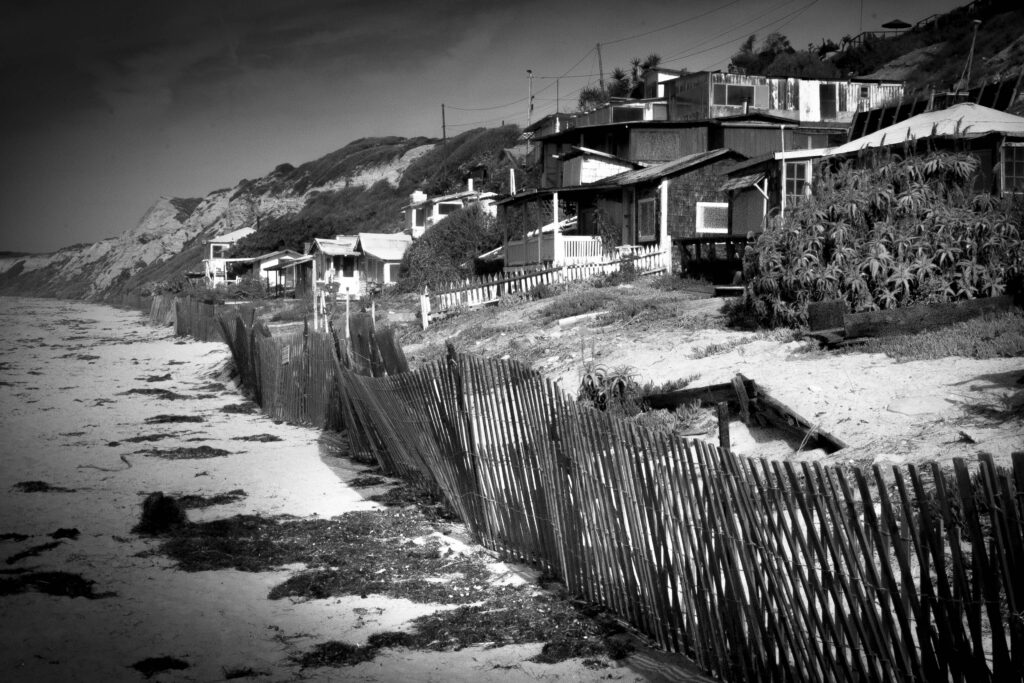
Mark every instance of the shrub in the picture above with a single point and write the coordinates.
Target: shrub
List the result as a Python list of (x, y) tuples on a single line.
[(445, 252), (893, 233)]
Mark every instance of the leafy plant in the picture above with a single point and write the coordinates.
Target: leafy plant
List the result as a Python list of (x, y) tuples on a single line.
[(889, 232), (611, 389)]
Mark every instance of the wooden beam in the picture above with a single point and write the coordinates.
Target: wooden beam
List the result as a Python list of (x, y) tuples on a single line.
[(918, 318)]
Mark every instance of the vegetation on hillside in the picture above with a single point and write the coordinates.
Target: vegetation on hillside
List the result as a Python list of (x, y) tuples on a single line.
[(621, 82), (892, 233), (775, 57), (378, 208)]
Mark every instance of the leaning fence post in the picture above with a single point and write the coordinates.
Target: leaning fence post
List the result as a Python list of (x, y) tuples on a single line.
[(723, 425)]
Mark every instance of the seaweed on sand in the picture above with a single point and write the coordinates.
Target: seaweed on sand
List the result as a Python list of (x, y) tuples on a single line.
[(358, 553), (246, 408), (262, 438), (165, 394), (513, 615), (168, 419), (32, 552), (62, 584), (147, 437), (193, 500), (405, 495), (366, 482), (182, 453), (153, 665), (39, 487)]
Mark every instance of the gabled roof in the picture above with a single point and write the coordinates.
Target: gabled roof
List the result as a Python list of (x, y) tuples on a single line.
[(343, 245), (669, 168), (384, 246), (280, 253)]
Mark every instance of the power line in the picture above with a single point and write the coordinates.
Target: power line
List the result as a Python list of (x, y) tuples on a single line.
[(770, 24), (673, 25), (686, 53)]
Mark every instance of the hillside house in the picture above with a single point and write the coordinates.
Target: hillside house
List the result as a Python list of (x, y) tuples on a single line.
[(217, 268), (655, 142), (422, 211), (338, 261), (639, 207), (773, 182), (713, 94)]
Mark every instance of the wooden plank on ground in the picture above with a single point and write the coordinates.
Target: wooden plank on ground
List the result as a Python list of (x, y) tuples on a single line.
[(918, 318)]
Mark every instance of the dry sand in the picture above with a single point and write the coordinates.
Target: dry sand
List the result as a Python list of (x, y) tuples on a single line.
[(65, 418)]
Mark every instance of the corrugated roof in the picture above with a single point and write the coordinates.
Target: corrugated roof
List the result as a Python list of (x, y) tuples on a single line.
[(384, 246), (292, 263), (344, 245), (233, 236), (666, 169), (964, 120)]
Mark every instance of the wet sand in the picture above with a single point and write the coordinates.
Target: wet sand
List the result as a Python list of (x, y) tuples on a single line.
[(78, 384)]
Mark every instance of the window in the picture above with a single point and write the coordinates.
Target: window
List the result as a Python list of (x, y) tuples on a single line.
[(737, 95), (1013, 168), (647, 220), (419, 216), (217, 250), (798, 180), (713, 217), (864, 92)]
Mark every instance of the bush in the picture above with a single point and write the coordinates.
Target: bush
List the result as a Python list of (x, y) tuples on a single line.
[(894, 233), (446, 251)]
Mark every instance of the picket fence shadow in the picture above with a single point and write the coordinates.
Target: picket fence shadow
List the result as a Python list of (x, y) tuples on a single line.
[(757, 569)]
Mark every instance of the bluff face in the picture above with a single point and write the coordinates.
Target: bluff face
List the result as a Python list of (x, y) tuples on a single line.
[(167, 242)]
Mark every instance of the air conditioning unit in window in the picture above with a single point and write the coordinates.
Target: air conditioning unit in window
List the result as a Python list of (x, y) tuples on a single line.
[(713, 218)]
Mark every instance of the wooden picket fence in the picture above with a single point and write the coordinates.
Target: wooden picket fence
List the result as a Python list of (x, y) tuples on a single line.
[(196, 318), (474, 292), (759, 570)]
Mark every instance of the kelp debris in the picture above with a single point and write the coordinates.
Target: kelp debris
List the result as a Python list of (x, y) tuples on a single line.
[(62, 584), (262, 438), (158, 378), (164, 394), (366, 482), (65, 532), (147, 437), (182, 453), (405, 495), (193, 500), (168, 419), (40, 487), (358, 553), (13, 536), (246, 408), (153, 665), (513, 615), (32, 552)]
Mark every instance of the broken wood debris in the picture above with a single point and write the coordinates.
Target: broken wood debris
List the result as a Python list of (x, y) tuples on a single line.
[(747, 398)]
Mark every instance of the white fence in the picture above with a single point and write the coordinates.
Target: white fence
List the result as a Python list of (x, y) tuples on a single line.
[(490, 288)]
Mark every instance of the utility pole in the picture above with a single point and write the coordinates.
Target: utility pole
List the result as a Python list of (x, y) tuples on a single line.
[(444, 139), (965, 77), (529, 106), (557, 81), (600, 66)]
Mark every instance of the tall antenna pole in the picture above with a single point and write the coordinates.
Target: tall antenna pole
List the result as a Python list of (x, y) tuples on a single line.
[(600, 66), (529, 105), (557, 110)]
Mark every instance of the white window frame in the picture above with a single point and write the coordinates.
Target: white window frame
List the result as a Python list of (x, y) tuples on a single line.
[(702, 210), (808, 181), (1002, 168)]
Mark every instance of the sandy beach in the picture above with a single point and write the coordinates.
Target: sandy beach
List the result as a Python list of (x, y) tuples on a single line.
[(91, 401)]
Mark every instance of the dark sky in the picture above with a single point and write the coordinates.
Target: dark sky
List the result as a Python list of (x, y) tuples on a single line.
[(109, 105)]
